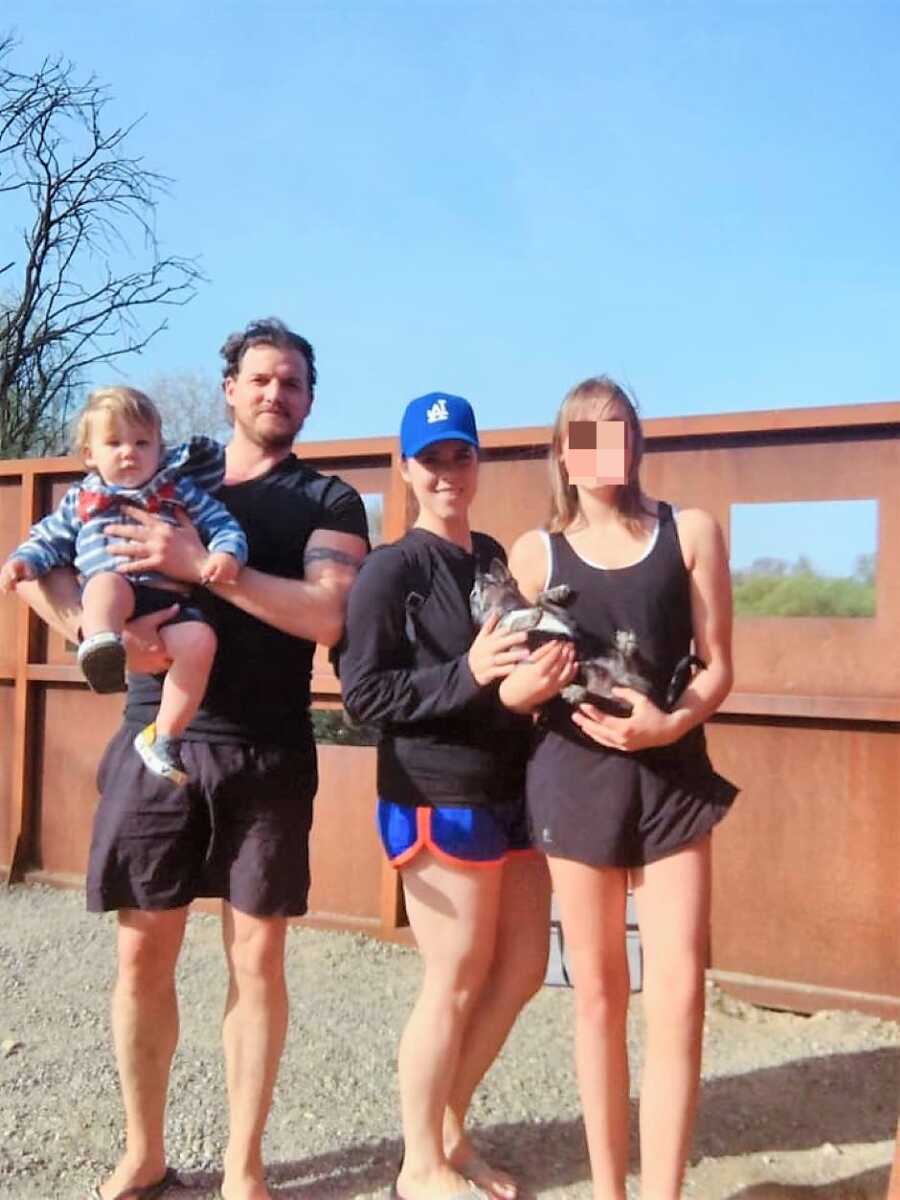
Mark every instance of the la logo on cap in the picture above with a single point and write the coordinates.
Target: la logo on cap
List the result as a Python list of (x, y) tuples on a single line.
[(437, 412)]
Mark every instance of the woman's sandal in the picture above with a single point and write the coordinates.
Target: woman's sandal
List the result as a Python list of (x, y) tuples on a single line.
[(148, 1192)]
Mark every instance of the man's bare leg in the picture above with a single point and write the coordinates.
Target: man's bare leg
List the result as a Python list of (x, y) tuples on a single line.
[(145, 1033), (253, 1031)]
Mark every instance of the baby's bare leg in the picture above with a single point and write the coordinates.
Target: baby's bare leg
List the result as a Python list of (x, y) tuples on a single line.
[(191, 646), (107, 602)]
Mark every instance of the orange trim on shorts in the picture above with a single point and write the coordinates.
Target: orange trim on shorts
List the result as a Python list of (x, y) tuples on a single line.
[(424, 841)]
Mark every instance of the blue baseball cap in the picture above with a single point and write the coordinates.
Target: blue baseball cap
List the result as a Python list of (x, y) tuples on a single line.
[(437, 417)]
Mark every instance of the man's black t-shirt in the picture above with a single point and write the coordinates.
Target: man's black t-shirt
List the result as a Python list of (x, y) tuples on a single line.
[(259, 689)]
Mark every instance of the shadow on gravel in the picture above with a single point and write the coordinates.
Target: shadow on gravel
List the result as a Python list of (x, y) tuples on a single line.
[(842, 1098), (346, 1172), (799, 1105), (870, 1185)]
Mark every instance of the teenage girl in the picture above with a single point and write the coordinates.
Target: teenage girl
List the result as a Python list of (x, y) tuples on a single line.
[(451, 767), (617, 801)]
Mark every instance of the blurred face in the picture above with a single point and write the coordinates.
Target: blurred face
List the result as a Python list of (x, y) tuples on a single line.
[(596, 451), (122, 452), (269, 397), (444, 478)]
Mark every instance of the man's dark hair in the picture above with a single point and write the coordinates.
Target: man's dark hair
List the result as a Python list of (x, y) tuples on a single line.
[(268, 331)]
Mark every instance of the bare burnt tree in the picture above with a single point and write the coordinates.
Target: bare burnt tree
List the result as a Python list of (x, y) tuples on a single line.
[(90, 267)]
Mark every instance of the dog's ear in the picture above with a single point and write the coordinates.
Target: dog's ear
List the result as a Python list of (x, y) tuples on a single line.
[(498, 570)]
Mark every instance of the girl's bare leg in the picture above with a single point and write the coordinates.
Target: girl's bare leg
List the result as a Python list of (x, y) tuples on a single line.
[(453, 914), (672, 898), (516, 972), (107, 602), (592, 908), (191, 646)]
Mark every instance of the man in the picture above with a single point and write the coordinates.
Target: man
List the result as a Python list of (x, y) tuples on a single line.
[(240, 829)]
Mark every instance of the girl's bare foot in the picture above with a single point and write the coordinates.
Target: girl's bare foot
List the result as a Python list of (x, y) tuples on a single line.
[(439, 1183), (466, 1159)]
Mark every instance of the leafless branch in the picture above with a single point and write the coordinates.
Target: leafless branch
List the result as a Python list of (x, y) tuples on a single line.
[(72, 305)]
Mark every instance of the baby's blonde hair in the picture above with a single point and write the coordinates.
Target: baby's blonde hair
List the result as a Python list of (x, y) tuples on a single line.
[(125, 402)]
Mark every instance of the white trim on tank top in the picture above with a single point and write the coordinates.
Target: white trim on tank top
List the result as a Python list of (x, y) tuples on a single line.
[(548, 545)]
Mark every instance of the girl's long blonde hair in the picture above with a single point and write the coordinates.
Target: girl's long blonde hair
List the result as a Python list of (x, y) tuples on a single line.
[(594, 398)]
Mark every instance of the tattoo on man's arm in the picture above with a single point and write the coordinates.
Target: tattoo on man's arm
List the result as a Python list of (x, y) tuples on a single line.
[(330, 554)]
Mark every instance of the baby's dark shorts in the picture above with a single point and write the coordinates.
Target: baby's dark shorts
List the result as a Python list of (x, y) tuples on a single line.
[(148, 599), (239, 829)]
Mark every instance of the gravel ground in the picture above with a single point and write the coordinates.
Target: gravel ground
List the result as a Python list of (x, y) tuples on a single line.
[(793, 1108)]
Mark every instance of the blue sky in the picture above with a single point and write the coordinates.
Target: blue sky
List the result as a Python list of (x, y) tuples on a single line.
[(499, 199), (832, 534)]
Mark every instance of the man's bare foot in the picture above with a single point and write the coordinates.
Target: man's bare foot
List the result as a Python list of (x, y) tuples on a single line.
[(141, 1177), (439, 1183), (466, 1159)]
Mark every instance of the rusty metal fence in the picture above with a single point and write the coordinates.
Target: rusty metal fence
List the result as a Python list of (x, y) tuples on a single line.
[(806, 908)]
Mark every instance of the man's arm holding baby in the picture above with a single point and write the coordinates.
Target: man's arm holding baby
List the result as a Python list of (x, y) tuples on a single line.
[(56, 598), (310, 608)]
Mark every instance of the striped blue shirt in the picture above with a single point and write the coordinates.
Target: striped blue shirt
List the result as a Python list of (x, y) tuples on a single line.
[(74, 535)]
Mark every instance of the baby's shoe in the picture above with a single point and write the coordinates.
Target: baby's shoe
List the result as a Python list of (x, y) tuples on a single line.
[(102, 659), (161, 754)]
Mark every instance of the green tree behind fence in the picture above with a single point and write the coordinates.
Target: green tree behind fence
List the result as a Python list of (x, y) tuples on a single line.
[(773, 587)]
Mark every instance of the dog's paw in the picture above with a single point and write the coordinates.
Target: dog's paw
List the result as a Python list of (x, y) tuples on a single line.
[(626, 642), (521, 618), (574, 694), (561, 594)]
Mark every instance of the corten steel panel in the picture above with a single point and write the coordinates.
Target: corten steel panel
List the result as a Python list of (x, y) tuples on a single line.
[(10, 507), (806, 880), (803, 655), (76, 727), (512, 497), (345, 853), (6, 743)]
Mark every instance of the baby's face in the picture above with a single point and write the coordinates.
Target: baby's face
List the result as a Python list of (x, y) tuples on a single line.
[(596, 452), (122, 452)]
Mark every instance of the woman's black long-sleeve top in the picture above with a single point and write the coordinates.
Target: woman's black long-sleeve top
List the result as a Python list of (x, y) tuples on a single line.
[(404, 668)]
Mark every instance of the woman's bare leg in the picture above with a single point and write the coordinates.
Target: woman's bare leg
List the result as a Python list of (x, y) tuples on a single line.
[(592, 908), (453, 914), (672, 898), (516, 972)]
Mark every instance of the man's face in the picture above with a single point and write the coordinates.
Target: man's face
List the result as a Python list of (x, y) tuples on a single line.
[(596, 452), (269, 396)]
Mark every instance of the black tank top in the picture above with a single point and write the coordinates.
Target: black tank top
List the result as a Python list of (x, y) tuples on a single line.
[(651, 598), (608, 807)]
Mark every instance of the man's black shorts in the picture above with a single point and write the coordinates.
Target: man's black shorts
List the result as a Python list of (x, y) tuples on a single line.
[(238, 830)]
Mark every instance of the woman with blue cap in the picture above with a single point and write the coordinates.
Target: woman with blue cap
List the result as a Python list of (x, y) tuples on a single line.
[(451, 764)]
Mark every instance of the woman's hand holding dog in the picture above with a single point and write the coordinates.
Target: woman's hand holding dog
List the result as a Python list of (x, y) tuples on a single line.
[(549, 669), (495, 653), (646, 726)]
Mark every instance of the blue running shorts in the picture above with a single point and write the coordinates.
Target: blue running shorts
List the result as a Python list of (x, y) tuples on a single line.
[(464, 836)]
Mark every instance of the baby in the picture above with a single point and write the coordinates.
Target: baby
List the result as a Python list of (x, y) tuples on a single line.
[(118, 436)]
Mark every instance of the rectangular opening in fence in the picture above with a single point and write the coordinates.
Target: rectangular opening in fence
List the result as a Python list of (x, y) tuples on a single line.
[(810, 558)]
